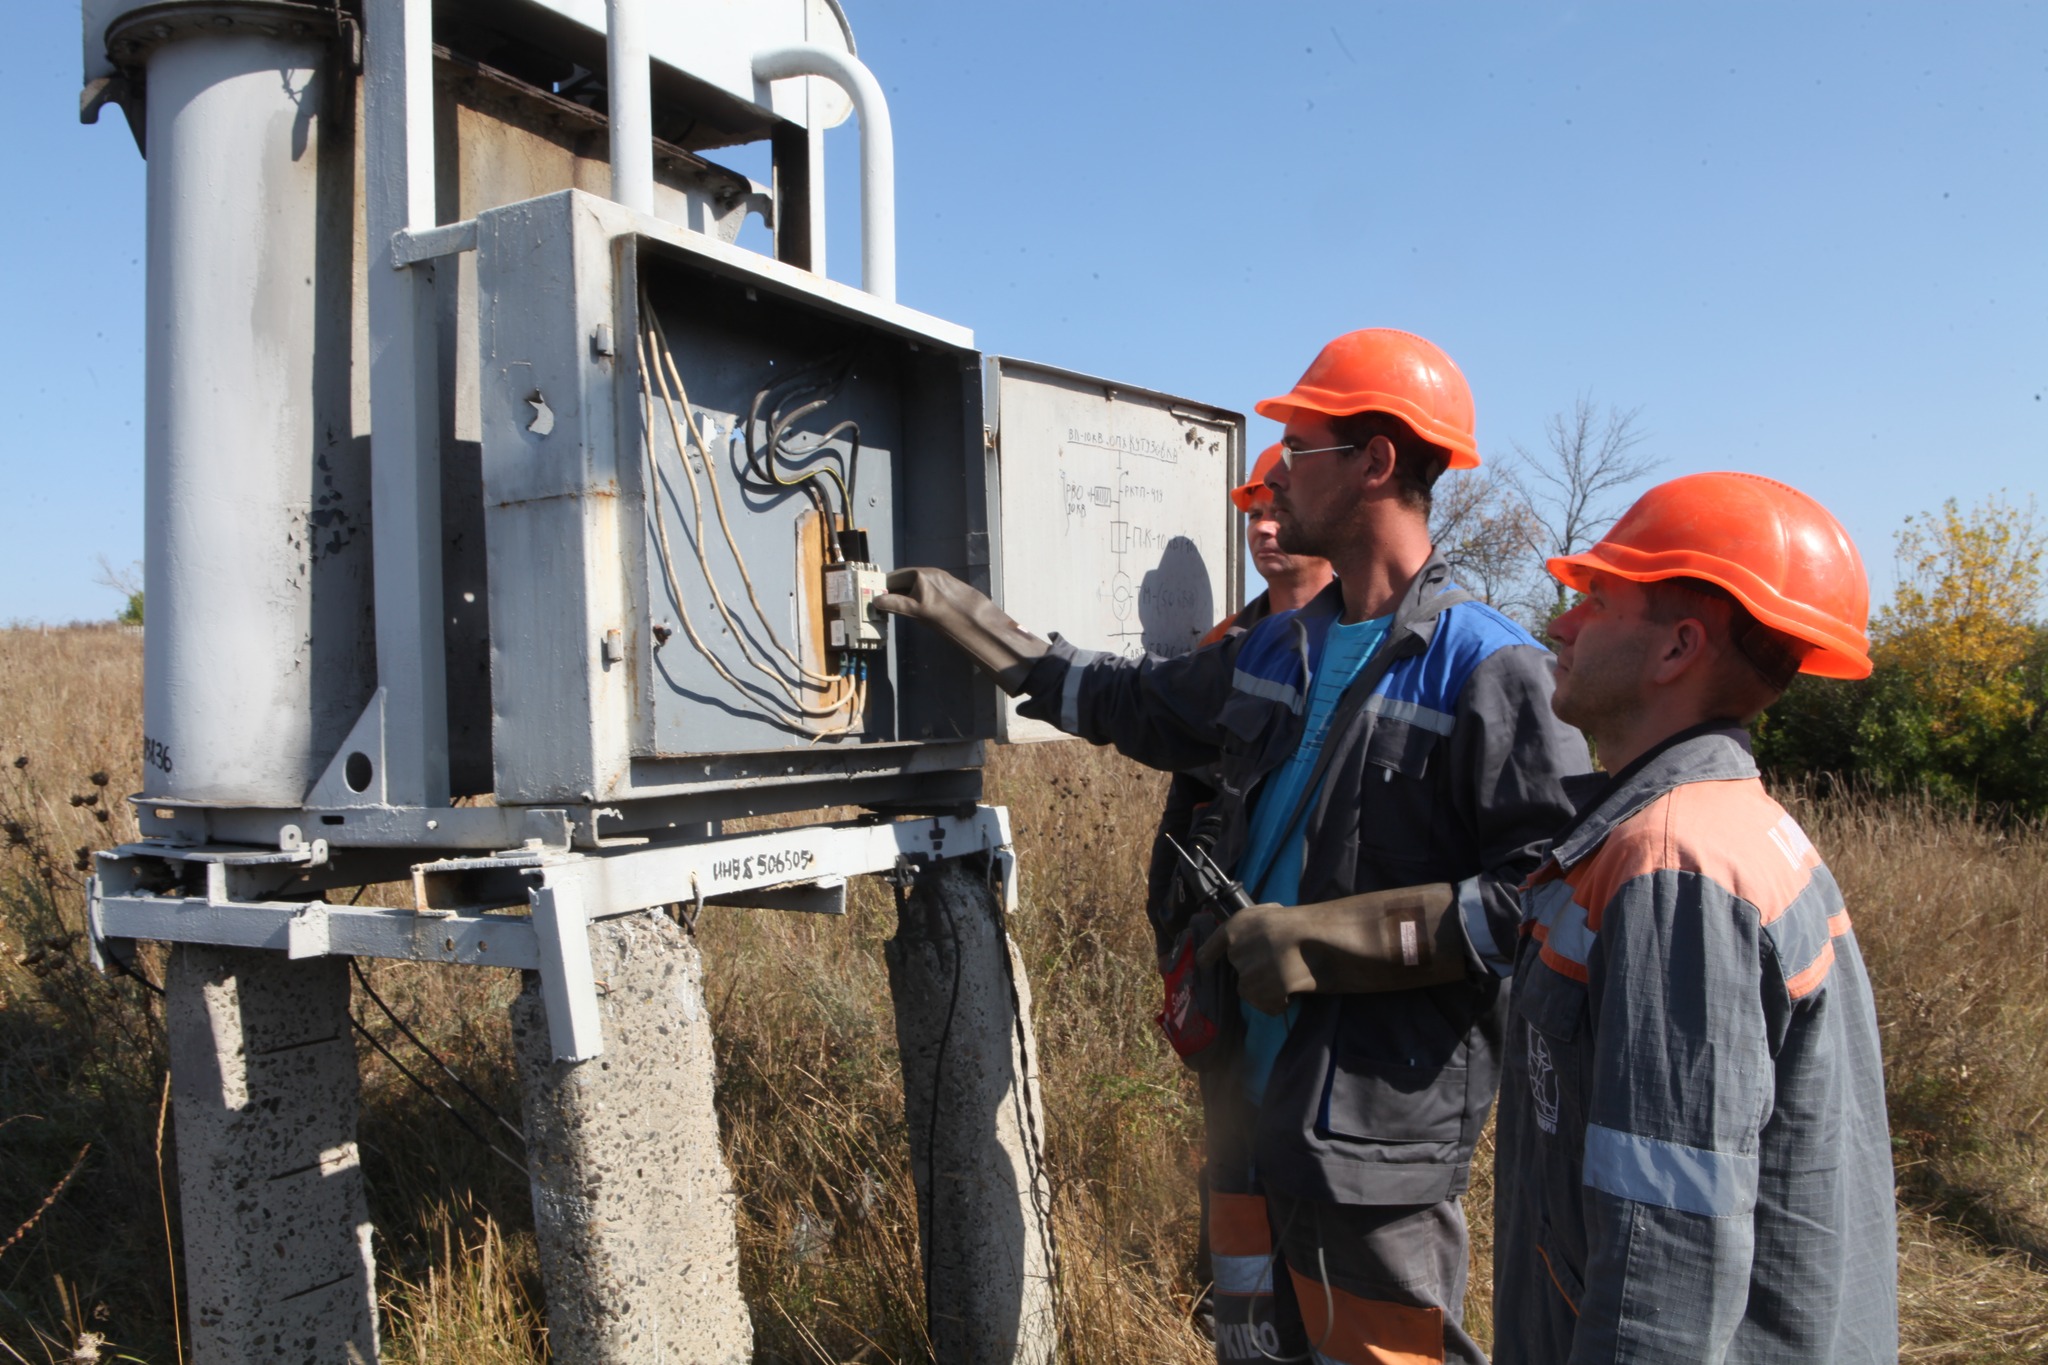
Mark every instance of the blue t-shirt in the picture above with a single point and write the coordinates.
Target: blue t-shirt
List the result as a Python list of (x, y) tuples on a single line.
[(1271, 868)]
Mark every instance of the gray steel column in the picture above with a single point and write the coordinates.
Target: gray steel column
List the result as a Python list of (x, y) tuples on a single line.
[(629, 85), (264, 1093), (247, 489), (632, 1203), (405, 418), (970, 1092)]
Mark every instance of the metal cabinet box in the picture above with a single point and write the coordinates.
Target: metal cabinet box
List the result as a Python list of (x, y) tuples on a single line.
[(655, 602), (603, 545)]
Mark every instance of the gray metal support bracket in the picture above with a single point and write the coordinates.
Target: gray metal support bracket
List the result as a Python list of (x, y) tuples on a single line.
[(356, 776), (568, 986), (466, 910)]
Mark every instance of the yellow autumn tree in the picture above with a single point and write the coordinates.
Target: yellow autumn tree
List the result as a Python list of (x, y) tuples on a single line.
[(1961, 624)]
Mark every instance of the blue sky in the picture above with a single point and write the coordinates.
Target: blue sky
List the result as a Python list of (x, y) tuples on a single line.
[(1805, 240)]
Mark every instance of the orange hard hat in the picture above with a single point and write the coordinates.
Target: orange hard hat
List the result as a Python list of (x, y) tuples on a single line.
[(1253, 491), (1383, 370), (1781, 554)]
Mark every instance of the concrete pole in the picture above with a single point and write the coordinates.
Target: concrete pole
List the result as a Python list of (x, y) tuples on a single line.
[(264, 1094), (970, 1092), (632, 1203)]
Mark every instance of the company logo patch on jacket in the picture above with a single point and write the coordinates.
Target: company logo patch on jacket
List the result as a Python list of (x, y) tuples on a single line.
[(1542, 1080)]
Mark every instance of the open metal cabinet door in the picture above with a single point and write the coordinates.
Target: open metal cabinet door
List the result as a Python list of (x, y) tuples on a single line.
[(1116, 524)]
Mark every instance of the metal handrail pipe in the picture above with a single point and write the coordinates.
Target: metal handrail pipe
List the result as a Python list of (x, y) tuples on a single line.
[(877, 150), (630, 86)]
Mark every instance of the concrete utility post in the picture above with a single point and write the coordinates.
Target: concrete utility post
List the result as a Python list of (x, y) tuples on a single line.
[(633, 1203), (511, 533), (263, 1090), (977, 1128)]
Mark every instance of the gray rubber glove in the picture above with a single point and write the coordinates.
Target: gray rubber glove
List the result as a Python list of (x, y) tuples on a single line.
[(977, 625), (1380, 941)]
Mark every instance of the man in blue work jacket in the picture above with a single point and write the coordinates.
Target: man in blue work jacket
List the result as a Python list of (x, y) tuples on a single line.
[(1391, 742)]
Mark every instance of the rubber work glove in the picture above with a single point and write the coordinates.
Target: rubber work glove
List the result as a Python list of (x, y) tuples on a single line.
[(977, 625), (1380, 941)]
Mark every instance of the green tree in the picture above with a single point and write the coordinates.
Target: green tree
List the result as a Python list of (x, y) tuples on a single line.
[(128, 583), (1958, 701), (1961, 625)]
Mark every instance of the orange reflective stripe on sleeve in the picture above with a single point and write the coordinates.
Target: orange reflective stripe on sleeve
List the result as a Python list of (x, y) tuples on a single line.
[(1838, 924), (1348, 1330)]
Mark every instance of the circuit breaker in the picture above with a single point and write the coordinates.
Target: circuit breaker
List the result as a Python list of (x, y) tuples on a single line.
[(853, 628)]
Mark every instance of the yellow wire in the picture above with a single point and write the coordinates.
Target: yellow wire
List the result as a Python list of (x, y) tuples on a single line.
[(855, 719), (704, 562), (675, 589), (667, 359)]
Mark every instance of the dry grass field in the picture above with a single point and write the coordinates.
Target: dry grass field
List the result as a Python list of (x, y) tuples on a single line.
[(810, 1092)]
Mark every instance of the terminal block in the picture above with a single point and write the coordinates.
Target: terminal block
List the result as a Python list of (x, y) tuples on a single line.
[(852, 626)]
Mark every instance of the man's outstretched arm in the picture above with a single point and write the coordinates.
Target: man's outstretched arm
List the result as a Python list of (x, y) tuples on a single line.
[(1162, 712)]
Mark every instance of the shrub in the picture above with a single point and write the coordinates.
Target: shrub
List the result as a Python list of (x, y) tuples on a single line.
[(1956, 702)]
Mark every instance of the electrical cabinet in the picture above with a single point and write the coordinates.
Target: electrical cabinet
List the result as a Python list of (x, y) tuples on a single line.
[(689, 451)]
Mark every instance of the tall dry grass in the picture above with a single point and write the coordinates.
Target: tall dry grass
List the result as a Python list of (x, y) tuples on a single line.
[(1947, 910), (810, 1092)]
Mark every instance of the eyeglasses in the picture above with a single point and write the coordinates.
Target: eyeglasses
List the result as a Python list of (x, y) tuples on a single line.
[(1288, 454)]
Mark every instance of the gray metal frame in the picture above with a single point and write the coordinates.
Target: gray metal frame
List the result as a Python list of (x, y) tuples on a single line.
[(236, 896)]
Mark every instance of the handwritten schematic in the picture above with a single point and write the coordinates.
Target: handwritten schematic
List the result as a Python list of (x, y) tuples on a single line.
[(1116, 526)]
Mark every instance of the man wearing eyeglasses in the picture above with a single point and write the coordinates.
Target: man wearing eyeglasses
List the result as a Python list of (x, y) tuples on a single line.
[(1392, 740)]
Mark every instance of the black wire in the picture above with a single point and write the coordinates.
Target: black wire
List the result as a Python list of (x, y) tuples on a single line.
[(852, 464), (848, 465), (413, 1038), (106, 953), (931, 1132), (435, 1096), (804, 379), (794, 383), (768, 480), (782, 421), (789, 400)]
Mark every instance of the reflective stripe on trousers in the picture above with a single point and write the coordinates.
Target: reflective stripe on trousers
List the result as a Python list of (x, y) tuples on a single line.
[(1241, 1253), (1257, 1326), (1357, 1331)]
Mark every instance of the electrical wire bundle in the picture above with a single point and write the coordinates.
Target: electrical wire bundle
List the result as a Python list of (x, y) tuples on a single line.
[(800, 698), (789, 400)]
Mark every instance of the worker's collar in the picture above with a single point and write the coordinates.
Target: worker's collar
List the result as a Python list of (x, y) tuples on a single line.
[(1714, 751), (1432, 579)]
